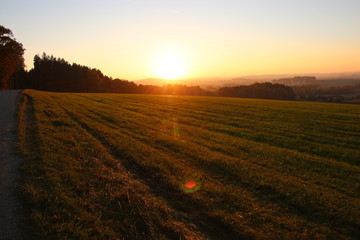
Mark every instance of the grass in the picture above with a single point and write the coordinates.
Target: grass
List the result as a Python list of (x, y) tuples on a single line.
[(112, 166)]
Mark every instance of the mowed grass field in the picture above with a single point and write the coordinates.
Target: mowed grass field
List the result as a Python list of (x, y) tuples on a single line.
[(114, 166)]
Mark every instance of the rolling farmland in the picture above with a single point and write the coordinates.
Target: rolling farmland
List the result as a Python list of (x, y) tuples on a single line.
[(113, 166)]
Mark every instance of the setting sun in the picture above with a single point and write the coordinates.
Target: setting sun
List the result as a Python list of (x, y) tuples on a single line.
[(170, 63)]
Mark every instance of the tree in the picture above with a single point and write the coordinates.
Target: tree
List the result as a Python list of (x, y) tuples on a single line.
[(11, 56), (264, 90)]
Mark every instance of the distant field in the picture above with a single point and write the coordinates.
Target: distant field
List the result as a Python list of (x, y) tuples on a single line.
[(113, 166)]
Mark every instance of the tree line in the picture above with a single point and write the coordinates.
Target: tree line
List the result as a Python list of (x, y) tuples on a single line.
[(313, 92), (264, 90), (56, 74)]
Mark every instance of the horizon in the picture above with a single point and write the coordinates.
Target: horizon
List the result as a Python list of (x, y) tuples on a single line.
[(135, 39), (258, 75)]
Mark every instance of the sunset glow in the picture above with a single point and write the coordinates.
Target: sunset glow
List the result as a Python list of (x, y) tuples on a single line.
[(139, 39), (170, 63)]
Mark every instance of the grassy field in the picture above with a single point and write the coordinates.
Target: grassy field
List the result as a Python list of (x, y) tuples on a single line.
[(113, 166)]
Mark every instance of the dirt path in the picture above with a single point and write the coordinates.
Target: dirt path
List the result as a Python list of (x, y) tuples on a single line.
[(12, 222)]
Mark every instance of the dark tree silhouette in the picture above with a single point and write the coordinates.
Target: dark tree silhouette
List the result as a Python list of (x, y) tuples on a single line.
[(259, 90), (11, 58), (56, 74)]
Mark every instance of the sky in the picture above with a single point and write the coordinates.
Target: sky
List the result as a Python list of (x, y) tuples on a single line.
[(136, 39)]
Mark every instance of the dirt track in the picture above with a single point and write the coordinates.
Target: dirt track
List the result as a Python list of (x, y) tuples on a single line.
[(12, 222)]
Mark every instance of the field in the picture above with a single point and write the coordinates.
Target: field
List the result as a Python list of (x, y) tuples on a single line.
[(113, 166)]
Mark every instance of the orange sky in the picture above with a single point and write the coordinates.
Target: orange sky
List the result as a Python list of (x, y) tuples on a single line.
[(130, 39)]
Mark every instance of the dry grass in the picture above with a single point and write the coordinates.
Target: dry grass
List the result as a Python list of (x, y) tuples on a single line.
[(111, 166)]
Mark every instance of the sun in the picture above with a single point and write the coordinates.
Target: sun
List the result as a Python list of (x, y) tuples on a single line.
[(170, 63)]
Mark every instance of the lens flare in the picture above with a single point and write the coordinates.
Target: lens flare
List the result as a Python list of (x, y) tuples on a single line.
[(176, 130), (190, 185)]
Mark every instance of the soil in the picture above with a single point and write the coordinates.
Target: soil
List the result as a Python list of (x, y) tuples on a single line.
[(12, 217)]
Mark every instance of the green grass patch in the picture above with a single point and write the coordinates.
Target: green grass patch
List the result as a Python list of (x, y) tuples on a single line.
[(113, 166)]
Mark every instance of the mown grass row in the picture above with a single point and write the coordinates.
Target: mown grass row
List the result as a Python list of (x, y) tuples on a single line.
[(254, 121), (110, 166)]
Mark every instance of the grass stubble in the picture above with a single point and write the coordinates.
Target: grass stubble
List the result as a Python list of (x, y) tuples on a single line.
[(112, 166)]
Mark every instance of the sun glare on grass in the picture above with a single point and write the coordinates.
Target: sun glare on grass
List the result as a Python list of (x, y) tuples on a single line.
[(170, 63)]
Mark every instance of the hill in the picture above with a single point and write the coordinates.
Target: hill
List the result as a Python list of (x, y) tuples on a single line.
[(214, 83)]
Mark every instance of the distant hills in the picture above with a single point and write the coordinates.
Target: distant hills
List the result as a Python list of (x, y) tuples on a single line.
[(296, 81), (214, 83)]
